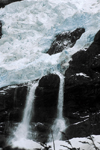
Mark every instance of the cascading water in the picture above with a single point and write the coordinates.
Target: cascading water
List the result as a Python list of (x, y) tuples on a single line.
[(59, 123), (21, 135)]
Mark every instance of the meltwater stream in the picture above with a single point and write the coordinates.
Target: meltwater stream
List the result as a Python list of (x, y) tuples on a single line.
[(59, 123), (21, 135)]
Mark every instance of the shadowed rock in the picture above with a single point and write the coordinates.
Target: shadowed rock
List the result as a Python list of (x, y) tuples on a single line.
[(65, 40), (46, 98), (12, 103), (82, 79)]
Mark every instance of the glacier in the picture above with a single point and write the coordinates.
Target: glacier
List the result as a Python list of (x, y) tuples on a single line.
[(29, 27)]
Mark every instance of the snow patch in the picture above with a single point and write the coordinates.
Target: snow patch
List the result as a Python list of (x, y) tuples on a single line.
[(82, 143), (82, 74)]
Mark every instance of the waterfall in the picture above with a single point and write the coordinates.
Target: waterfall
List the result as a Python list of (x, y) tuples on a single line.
[(29, 106), (22, 131), (59, 123), (60, 98)]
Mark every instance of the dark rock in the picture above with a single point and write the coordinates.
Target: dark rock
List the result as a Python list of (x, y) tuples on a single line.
[(46, 98), (97, 38), (41, 132), (82, 79), (2, 141), (3, 3), (86, 126), (40, 127), (65, 40), (0, 29), (16, 115), (95, 64), (12, 102), (49, 81)]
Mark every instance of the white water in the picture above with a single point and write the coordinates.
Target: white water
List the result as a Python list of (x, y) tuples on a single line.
[(60, 97), (29, 107), (21, 135), (59, 123)]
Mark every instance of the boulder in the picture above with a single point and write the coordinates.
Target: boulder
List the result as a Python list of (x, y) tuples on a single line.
[(82, 79), (65, 40), (41, 132), (46, 98), (40, 127)]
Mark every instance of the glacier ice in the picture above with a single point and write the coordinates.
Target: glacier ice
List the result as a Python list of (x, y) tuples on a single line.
[(29, 27)]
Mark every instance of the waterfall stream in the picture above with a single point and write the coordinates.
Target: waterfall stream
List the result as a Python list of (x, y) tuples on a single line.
[(59, 123), (28, 108), (22, 132)]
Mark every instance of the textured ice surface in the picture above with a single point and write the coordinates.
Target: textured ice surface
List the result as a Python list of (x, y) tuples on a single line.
[(29, 28)]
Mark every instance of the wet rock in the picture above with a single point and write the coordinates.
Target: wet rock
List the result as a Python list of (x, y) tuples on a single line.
[(65, 40), (83, 126), (16, 115), (2, 141), (12, 102), (40, 127), (46, 98), (41, 132), (82, 79)]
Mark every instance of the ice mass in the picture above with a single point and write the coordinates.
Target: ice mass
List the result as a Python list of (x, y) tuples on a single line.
[(49, 74)]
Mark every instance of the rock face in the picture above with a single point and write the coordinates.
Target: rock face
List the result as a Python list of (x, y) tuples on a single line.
[(65, 40), (0, 29), (12, 102), (46, 98), (13, 99), (82, 79), (3, 3), (84, 125)]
